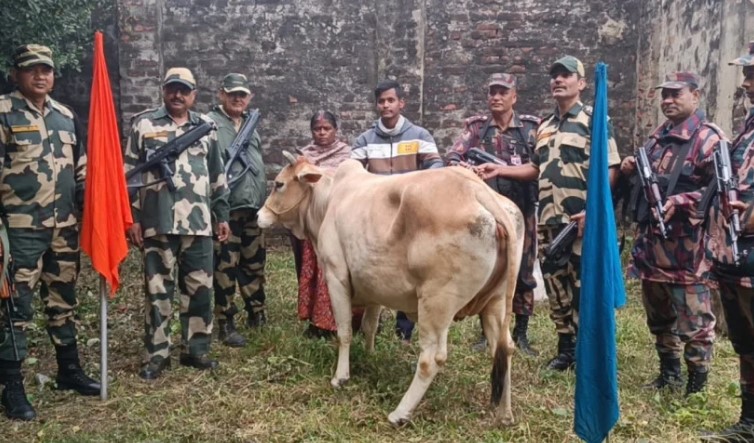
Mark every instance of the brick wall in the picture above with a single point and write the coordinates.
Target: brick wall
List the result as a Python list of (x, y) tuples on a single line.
[(303, 55)]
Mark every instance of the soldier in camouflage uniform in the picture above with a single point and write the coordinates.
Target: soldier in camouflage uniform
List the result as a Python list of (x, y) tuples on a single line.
[(175, 228), (510, 137), (241, 259), (41, 197), (561, 160), (677, 302), (737, 282)]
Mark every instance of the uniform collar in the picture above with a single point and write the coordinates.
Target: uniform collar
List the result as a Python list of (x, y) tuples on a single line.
[(48, 102), (573, 112), (682, 131), (162, 112), (515, 121)]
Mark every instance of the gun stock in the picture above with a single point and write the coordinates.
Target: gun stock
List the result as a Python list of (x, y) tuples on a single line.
[(159, 159), (562, 242), (652, 193), (237, 151), (727, 187), (476, 157)]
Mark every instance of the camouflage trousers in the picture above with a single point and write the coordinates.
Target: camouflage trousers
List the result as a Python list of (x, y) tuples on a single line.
[(738, 304), (240, 260), (563, 284), (192, 255), (523, 300), (680, 314), (49, 257)]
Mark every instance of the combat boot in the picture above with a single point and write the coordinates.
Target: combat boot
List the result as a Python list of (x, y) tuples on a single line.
[(13, 399), (520, 336), (741, 432), (697, 381), (566, 358), (70, 375), (228, 333), (257, 316), (670, 374)]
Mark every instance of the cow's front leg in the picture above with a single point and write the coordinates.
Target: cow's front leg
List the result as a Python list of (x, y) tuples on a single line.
[(340, 298)]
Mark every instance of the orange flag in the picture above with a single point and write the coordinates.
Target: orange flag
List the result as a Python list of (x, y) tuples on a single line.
[(107, 211)]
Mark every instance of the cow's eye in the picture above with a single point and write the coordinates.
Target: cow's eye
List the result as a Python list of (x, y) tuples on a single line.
[(279, 185)]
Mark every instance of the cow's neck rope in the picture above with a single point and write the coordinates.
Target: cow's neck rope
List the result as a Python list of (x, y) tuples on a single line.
[(289, 209)]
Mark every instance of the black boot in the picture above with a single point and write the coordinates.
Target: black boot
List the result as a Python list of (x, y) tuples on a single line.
[(228, 333), (17, 406), (670, 374), (70, 375), (566, 358), (697, 381), (741, 432), (257, 317), (520, 335)]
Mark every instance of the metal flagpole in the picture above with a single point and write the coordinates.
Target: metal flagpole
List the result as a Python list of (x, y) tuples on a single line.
[(103, 337)]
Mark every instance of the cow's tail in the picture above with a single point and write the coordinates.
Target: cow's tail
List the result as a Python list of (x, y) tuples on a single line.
[(499, 372)]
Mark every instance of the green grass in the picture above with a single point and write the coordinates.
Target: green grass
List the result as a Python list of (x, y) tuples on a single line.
[(278, 387)]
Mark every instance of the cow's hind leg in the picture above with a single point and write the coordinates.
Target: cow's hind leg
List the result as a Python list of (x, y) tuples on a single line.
[(496, 326), (340, 298), (433, 322), (370, 323)]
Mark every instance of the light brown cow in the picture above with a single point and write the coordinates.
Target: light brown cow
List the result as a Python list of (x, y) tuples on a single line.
[(439, 245)]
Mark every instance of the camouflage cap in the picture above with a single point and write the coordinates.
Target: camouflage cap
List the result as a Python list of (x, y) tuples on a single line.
[(236, 82), (679, 80), (571, 63), (180, 75), (745, 60), (32, 54), (502, 79)]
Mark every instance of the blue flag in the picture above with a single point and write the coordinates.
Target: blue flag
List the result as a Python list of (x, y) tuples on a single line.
[(602, 290)]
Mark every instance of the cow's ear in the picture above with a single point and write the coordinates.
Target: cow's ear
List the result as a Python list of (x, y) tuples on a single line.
[(309, 174)]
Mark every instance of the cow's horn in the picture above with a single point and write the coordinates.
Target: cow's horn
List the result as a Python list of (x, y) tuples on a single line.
[(299, 151), (288, 156)]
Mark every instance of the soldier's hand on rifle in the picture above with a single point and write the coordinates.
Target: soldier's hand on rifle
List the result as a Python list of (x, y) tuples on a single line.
[(581, 218), (669, 209), (628, 165), (489, 170), (732, 206), (135, 235), (223, 232)]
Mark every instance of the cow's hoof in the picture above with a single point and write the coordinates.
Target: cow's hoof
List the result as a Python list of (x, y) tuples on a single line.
[(505, 419), (396, 420), (338, 382)]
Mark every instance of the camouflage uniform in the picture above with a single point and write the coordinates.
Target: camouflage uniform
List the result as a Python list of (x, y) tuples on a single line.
[(514, 146), (177, 230), (676, 299), (241, 259), (562, 155), (41, 191)]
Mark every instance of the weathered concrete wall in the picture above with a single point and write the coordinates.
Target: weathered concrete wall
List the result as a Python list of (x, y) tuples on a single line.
[(307, 54), (696, 35)]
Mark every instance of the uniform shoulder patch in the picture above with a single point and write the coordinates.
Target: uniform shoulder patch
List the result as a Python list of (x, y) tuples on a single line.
[(141, 114), (529, 118), (63, 109), (475, 119), (6, 104)]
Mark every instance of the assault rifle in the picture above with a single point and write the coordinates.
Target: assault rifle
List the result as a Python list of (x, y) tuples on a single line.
[(727, 187), (651, 188), (238, 150), (162, 157), (561, 244), (476, 157)]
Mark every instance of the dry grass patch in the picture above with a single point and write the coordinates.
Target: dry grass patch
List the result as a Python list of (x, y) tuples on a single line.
[(277, 389)]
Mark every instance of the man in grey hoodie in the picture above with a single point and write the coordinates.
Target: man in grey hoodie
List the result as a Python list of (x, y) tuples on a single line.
[(394, 145)]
